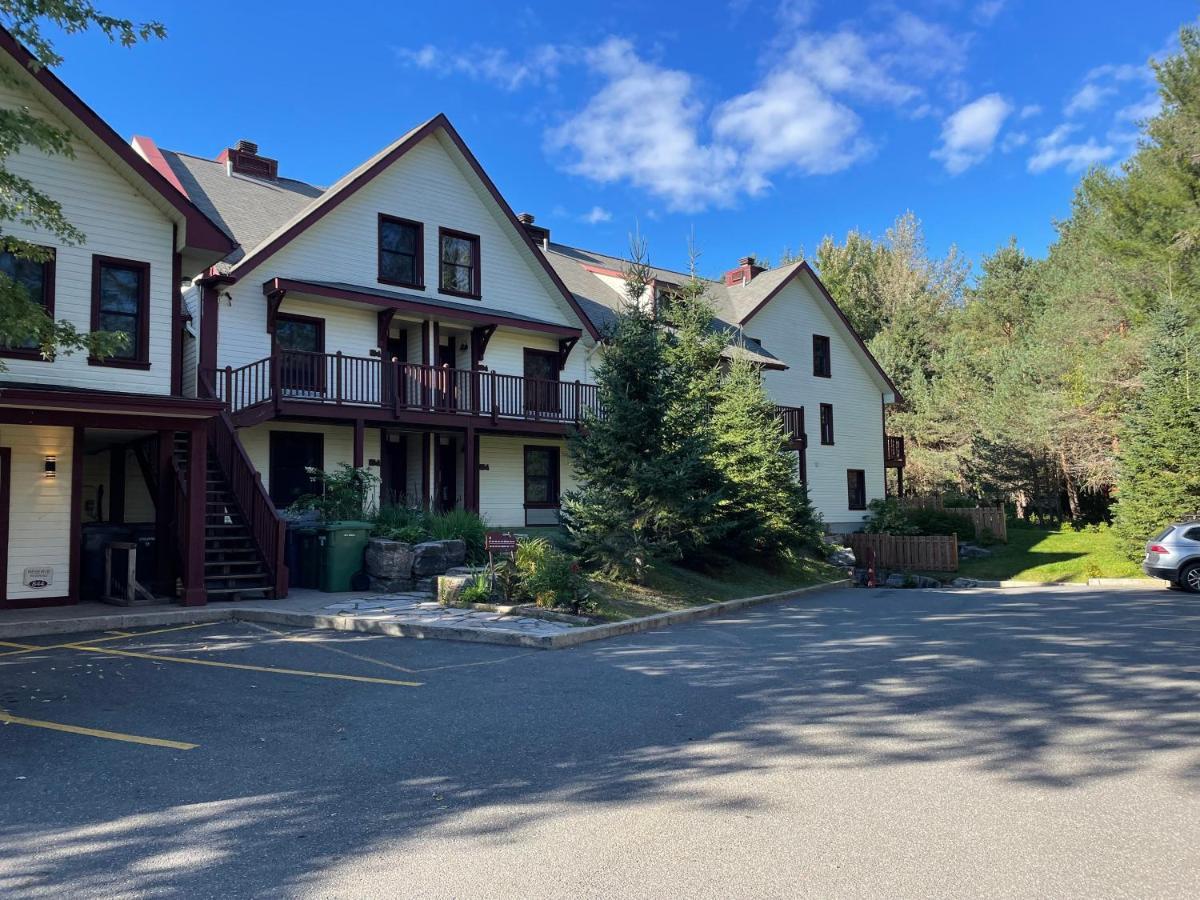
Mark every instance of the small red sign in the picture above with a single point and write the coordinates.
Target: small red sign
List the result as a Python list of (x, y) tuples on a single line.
[(500, 542)]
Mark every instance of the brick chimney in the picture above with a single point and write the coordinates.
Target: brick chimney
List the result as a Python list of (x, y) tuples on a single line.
[(746, 270), (245, 160), (538, 234)]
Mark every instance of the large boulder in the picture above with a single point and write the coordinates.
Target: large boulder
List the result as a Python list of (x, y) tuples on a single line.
[(389, 560), (430, 558), (973, 551), (390, 585), (456, 553)]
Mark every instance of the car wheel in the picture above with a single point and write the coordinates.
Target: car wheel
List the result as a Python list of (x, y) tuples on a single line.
[(1189, 579)]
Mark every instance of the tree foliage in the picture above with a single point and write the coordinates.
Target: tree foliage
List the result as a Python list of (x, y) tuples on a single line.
[(23, 322)]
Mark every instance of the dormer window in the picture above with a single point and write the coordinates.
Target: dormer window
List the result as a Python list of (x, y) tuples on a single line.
[(459, 263), (401, 252)]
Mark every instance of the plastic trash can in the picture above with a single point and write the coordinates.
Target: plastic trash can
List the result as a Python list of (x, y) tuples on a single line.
[(343, 545)]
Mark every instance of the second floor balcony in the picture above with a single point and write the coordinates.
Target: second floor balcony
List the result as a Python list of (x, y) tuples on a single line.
[(333, 385)]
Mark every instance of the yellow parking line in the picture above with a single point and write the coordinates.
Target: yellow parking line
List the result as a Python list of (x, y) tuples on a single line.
[(9, 719), (29, 648), (247, 668)]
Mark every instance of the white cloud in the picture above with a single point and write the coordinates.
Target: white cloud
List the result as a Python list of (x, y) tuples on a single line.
[(970, 133), (1014, 140), (845, 62), (1146, 108), (1053, 150), (1029, 111), (596, 215), (1088, 97), (986, 11), (494, 65)]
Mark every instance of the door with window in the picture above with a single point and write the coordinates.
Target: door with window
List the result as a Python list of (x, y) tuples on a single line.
[(541, 385), (293, 454), (300, 341)]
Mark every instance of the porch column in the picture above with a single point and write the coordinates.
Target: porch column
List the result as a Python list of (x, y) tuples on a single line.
[(359, 437), (194, 593), (470, 471), (164, 549), (426, 473), (209, 312)]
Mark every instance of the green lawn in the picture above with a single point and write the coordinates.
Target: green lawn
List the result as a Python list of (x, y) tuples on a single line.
[(1041, 554), (673, 587)]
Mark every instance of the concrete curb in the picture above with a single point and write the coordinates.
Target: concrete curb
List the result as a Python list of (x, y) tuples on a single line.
[(1143, 583), (678, 617), (399, 629)]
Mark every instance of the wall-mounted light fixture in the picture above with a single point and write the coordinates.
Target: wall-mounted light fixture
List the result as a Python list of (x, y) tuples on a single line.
[(50, 468)]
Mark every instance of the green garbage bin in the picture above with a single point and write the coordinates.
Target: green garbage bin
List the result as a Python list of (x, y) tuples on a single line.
[(341, 550)]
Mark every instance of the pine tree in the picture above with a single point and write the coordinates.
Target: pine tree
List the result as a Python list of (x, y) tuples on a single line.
[(764, 504), (1159, 463)]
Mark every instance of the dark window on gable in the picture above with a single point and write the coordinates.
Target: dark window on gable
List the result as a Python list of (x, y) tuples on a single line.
[(37, 278), (856, 487), (458, 258), (121, 305), (826, 423), (401, 252), (541, 477), (821, 364), (292, 454)]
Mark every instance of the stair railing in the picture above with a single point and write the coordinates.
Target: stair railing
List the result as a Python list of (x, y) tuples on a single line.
[(267, 527)]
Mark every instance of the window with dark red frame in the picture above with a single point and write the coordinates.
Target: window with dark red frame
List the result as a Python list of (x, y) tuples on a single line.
[(121, 305), (856, 488), (541, 385), (302, 362), (826, 423), (822, 368), (37, 278), (458, 259), (401, 252), (541, 478)]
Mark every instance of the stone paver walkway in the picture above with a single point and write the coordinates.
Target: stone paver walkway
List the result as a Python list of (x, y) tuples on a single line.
[(421, 609)]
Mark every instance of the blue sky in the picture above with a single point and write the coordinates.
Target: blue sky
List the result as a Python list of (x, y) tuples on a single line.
[(759, 125)]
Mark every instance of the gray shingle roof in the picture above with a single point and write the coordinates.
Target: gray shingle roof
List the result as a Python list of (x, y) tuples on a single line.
[(246, 209), (601, 302)]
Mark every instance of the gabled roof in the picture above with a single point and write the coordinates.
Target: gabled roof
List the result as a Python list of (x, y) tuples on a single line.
[(264, 216), (198, 232), (733, 305)]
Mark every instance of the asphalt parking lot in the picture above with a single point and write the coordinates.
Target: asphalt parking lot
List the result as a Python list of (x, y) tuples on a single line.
[(852, 743)]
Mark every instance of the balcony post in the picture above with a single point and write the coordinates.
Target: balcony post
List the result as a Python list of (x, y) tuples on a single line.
[(337, 377), (228, 398), (398, 382), (578, 391), (495, 400), (276, 379)]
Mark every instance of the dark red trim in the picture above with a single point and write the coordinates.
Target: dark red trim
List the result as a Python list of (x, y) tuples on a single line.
[(476, 292), (331, 199), (5, 501), (418, 282), (209, 324), (176, 317), (48, 274), (483, 314), (855, 501), (555, 476), (149, 151), (306, 320), (426, 471), (76, 512), (360, 438), (822, 350), (806, 268), (826, 424), (141, 354), (201, 233)]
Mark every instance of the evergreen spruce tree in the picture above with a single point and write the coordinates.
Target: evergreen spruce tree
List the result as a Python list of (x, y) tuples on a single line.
[(641, 497), (764, 504), (1158, 476)]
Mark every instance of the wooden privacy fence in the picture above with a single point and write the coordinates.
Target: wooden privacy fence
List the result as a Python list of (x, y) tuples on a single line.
[(937, 553), (984, 518)]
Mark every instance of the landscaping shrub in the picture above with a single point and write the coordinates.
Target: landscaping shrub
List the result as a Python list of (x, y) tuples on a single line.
[(478, 591), (545, 576), (459, 524), (935, 521), (346, 494), (412, 526), (888, 517)]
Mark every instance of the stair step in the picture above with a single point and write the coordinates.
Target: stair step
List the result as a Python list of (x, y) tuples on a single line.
[(245, 576), (238, 590)]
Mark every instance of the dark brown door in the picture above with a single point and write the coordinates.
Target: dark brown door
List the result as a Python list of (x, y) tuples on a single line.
[(447, 477), (394, 470), (292, 454), (541, 385)]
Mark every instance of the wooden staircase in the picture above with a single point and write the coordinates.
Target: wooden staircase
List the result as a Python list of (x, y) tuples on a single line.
[(234, 569)]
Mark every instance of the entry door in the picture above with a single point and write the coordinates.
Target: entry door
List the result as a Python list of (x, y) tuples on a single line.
[(292, 454), (541, 395), (447, 476), (394, 469), (303, 370)]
